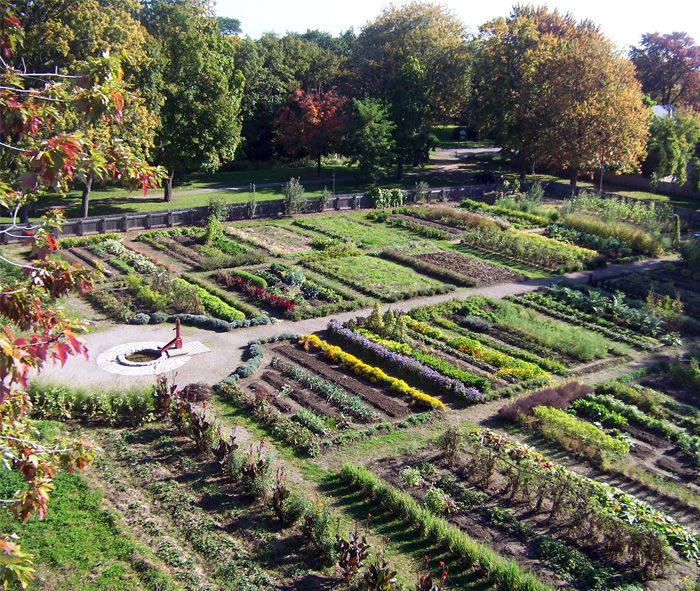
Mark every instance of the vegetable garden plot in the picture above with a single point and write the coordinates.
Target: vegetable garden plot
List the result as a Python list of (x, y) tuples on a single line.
[(314, 404), (287, 291), (639, 285), (525, 334), (274, 238), (378, 278), (484, 273), (610, 316), (356, 229), (517, 500)]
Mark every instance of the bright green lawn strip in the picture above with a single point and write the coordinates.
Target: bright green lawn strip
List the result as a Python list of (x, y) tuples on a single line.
[(80, 546), (378, 278)]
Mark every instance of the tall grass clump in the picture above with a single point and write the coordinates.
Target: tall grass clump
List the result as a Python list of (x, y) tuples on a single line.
[(637, 238)]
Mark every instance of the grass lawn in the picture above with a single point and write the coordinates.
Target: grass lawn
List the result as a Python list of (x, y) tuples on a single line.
[(80, 545)]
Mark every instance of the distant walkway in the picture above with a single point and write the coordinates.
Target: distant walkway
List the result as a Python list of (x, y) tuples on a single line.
[(227, 348)]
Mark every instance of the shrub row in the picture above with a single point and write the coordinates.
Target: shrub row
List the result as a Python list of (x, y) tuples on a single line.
[(409, 365), (214, 305), (87, 240), (111, 304), (373, 374), (504, 574)]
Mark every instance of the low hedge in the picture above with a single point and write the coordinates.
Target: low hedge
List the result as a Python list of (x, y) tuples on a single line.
[(214, 305), (249, 278)]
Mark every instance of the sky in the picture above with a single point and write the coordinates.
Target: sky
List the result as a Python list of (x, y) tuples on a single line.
[(623, 22)]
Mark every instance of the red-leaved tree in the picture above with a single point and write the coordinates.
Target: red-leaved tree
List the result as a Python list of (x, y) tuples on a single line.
[(312, 124), (36, 155)]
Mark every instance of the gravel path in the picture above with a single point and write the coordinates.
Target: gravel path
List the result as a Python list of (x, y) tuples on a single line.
[(226, 348)]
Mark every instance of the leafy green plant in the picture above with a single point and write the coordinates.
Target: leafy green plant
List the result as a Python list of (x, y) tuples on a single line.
[(294, 200)]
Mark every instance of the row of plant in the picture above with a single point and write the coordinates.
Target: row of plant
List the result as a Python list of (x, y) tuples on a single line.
[(413, 226), (522, 218), (428, 268), (640, 284), (551, 305), (610, 247), (505, 364), (545, 411), (531, 249), (232, 281), (450, 216), (463, 387), (129, 259), (647, 214), (499, 572), (334, 394), (531, 330), (435, 363), (215, 305), (637, 238), (588, 507), (311, 297), (372, 374), (479, 319), (606, 407)]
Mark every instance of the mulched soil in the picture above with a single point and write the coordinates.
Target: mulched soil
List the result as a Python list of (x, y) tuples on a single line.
[(300, 396), (484, 273), (380, 398), (261, 389)]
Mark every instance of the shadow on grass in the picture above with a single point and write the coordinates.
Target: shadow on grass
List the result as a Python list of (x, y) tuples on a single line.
[(402, 538)]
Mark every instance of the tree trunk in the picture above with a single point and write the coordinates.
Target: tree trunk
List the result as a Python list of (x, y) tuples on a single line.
[(86, 196), (523, 171), (318, 166), (399, 169), (168, 187), (573, 179)]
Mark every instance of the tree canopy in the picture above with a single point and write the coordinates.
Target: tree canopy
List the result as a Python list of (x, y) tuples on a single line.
[(556, 92), (38, 155), (668, 66), (201, 88)]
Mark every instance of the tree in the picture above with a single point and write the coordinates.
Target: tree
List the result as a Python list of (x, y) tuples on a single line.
[(228, 26), (505, 59), (430, 34), (672, 144), (591, 105), (60, 34), (668, 67), (409, 111), (200, 117), (35, 331), (368, 137), (312, 124), (556, 92)]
